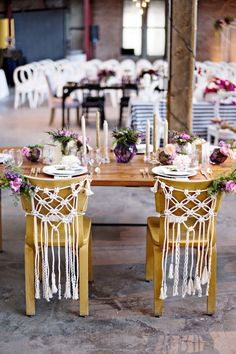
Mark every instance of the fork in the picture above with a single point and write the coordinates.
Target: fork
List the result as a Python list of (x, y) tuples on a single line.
[(204, 174), (147, 172), (38, 170), (32, 171), (142, 172)]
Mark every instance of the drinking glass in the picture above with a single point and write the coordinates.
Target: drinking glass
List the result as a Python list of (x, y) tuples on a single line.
[(17, 157), (94, 160)]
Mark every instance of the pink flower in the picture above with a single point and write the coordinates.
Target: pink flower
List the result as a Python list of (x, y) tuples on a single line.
[(16, 184), (184, 136), (224, 151), (230, 186), (25, 151), (170, 149)]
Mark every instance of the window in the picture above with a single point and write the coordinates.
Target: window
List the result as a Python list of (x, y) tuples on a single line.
[(146, 33)]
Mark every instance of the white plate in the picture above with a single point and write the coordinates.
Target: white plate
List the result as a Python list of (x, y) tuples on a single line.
[(166, 171), (142, 148), (4, 157), (57, 170)]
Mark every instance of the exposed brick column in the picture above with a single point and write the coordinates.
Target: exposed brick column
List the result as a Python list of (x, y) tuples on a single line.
[(87, 23), (182, 17)]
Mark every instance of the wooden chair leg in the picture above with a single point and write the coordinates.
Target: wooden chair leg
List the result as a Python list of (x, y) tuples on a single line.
[(29, 281), (149, 256), (90, 258), (68, 117), (83, 289), (52, 116), (121, 114), (77, 116), (157, 277), (211, 299)]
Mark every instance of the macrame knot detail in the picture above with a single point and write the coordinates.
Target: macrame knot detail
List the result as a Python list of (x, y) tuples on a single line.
[(211, 212), (42, 202), (46, 190), (63, 202), (171, 189), (167, 212), (54, 227), (201, 219), (56, 190), (54, 211), (186, 192), (179, 205), (53, 196), (168, 196), (163, 185), (45, 218), (75, 193), (35, 213), (36, 189), (73, 212), (191, 229), (201, 205), (191, 198), (190, 212)]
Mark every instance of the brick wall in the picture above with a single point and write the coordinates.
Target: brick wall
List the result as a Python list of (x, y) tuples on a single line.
[(107, 14), (208, 39)]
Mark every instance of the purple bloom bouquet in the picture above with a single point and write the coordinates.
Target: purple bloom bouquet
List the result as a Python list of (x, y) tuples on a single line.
[(66, 136), (32, 152), (180, 138), (226, 184), (105, 74), (14, 180)]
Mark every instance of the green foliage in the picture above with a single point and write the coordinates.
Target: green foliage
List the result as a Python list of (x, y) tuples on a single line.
[(126, 136)]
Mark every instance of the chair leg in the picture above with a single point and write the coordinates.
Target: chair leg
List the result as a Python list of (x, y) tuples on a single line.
[(52, 116), (149, 256), (83, 289), (29, 281), (90, 258), (68, 117), (77, 115), (157, 276), (121, 114), (211, 299)]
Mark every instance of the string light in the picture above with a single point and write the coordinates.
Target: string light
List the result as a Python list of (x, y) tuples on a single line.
[(141, 5)]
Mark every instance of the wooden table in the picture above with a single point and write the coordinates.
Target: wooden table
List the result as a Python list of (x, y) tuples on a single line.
[(123, 174)]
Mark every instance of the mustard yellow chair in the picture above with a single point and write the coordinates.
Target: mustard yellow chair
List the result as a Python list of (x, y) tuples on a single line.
[(187, 220), (54, 219)]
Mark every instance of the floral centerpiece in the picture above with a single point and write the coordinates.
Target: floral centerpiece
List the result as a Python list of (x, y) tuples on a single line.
[(167, 155), (221, 153), (225, 184), (217, 85), (68, 139), (105, 74), (153, 73), (182, 141), (124, 142), (32, 152), (14, 180)]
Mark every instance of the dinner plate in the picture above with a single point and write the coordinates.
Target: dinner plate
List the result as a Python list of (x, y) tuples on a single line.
[(142, 148), (4, 157), (169, 171), (60, 170)]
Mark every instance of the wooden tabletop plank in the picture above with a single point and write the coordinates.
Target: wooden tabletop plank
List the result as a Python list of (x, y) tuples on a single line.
[(128, 174)]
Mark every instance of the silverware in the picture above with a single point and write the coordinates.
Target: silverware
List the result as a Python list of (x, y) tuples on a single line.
[(204, 174), (32, 171), (142, 172), (147, 172)]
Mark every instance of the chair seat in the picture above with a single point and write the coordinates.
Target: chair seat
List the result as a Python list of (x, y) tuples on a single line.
[(86, 226), (56, 102), (153, 223)]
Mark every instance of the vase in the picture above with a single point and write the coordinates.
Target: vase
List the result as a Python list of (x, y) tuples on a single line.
[(125, 152), (217, 157), (185, 149), (69, 148), (34, 154)]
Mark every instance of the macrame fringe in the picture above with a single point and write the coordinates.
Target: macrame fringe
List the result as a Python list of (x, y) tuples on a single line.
[(202, 224), (52, 220)]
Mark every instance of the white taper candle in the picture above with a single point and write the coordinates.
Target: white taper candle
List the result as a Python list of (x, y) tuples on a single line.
[(84, 134)]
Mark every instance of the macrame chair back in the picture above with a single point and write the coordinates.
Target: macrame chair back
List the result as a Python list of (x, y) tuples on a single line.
[(187, 220), (54, 218)]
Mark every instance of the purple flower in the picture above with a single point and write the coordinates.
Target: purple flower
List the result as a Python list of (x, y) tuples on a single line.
[(184, 136), (230, 186), (25, 151), (15, 185)]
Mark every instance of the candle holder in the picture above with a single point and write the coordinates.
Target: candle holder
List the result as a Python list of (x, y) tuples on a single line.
[(147, 158), (106, 158), (154, 158)]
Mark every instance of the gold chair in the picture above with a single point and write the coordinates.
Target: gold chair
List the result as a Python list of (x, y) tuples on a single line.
[(55, 218), (187, 220)]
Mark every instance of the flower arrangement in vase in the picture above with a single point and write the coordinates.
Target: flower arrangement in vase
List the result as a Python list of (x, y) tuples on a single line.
[(32, 152), (153, 73), (124, 142), (105, 74), (70, 141), (217, 85), (221, 153), (182, 141)]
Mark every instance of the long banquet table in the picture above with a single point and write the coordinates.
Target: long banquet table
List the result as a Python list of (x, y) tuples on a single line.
[(122, 174)]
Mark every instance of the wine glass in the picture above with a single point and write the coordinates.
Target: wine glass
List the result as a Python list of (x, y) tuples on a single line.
[(94, 161), (16, 157)]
